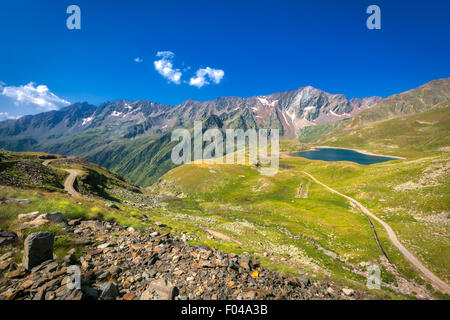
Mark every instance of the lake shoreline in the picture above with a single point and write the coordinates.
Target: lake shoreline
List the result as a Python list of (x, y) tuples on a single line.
[(315, 148), (356, 150)]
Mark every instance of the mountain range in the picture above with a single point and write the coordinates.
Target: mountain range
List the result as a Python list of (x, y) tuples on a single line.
[(286, 111), (133, 137)]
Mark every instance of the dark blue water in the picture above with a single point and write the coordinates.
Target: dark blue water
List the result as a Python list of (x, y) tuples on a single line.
[(329, 154)]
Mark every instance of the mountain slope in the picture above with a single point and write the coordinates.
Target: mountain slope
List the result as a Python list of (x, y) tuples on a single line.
[(412, 120), (412, 135), (410, 102), (287, 111), (314, 230), (133, 138)]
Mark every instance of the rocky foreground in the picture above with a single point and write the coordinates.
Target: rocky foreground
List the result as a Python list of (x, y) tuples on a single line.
[(125, 264)]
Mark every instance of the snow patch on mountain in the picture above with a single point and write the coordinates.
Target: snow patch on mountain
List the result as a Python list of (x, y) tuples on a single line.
[(333, 113), (116, 113), (339, 115), (284, 117), (266, 102), (86, 120), (263, 101)]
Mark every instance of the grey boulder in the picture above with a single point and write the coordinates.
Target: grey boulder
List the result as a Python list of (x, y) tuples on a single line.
[(38, 247)]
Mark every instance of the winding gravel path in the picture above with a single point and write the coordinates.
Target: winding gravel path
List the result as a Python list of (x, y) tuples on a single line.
[(437, 282), (68, 184), (70, 180)]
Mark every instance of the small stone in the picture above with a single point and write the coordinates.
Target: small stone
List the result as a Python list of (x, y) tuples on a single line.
[(160, 290), (112, 205), (38, 222), (250, 295), (41, 266), (12, 200), (114, 270), (348, 292), (7, 237), (84, 264), (160, 224), (6, 256), (50, 296), (69, 259), (129, 296), (245, 263), (27, 284), (40, 294), (26, 217), (103, 246), (51, 267), (109, 291), (75, 295), (5, 265), (94, 252), (74, 222), (15, 274), (303, 281), (89, 293), (88, 278), (54, 217), (103, 275)]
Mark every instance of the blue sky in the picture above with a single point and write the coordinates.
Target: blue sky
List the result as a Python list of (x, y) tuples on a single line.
[(261, 46)]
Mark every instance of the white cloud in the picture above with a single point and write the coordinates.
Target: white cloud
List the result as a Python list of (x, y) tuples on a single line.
[(6, 116), (203, 76), (37, 96), (165, 67), (138, 60)]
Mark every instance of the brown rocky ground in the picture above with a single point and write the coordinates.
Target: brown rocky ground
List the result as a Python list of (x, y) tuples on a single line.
[(125, 264)]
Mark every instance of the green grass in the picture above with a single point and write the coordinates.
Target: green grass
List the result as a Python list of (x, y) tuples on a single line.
[(268, 203), (254, 210), (240, 203), (379, 188), (414, 136), (45, 202), (314, 133)]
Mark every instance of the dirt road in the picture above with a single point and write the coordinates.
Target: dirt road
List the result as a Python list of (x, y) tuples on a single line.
[(437, 282), (68, 184), (70, 180)]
